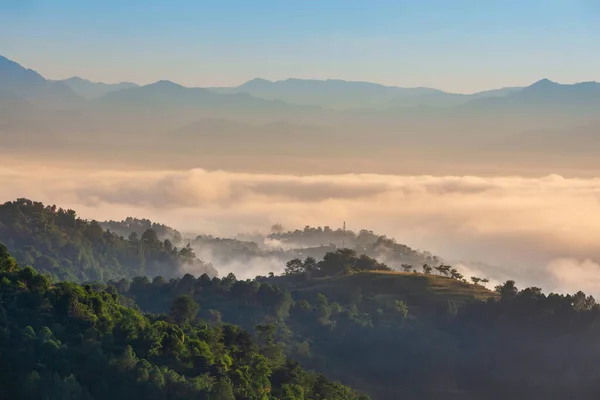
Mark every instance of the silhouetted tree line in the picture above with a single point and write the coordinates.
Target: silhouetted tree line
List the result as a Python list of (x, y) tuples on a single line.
[(333, 263), (364, 242)]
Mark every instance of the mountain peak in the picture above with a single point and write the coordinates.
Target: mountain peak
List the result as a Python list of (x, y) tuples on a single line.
[(256, 82), (4, 60), (544, 82), (13, 67), (75, 79), (164, 84)]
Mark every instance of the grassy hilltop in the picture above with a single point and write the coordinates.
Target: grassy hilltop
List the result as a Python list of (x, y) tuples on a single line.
[(420, 291)]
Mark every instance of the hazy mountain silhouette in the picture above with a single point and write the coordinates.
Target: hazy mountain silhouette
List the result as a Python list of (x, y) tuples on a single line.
[(340, 94), (552, 93), (230, 130), (330, 93), (169, 94), (165, 105), (544, 95), (582, 139), (263, 118), (92, 90), (31, 86), (223, 136)]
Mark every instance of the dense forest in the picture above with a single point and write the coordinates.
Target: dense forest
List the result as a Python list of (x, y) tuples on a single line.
[(57, 242), (426, 332), (138, 226), (66, 341), (407, 335)]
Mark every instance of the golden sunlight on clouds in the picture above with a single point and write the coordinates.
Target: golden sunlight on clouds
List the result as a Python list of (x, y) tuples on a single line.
[(524, 225)]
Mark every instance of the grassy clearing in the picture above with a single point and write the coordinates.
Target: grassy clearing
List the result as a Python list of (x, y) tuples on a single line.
[(383, 288)]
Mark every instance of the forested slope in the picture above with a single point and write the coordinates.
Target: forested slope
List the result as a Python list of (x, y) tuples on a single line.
[(66, 341), (408, 335), (138, 226), (57, 242), (421, 334)]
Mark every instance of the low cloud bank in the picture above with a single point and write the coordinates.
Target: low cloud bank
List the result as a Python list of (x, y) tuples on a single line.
[(572, 275), (527, 226)]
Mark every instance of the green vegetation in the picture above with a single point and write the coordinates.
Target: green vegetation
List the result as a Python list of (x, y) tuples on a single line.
[(56, 242), (138, 226), (66, 341), (424, 333), (347, 316), (406, 335)]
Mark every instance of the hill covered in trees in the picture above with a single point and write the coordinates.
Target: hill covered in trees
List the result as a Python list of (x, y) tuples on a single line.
[(406, 335), (281, 246), (138, 226), (66, 341), (324, 313), (57, 242), (316, 241), (424, 332)]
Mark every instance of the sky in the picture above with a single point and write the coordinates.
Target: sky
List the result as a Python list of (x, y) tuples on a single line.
[(459, 46)]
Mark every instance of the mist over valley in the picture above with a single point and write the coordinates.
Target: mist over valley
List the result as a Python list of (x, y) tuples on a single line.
[(299, 200)]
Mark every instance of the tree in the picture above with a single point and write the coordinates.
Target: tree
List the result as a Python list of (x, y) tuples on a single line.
[(508, 290), (475, 280), (582, 303), (443, 269), (406, 267), (184, 309), (150, 237), (455, 274), (223, 390), (294, 266), (310, 264), (277, 228), (426, 269), (266, 333)]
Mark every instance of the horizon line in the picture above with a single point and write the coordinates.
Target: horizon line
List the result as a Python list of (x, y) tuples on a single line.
[(274, 81)]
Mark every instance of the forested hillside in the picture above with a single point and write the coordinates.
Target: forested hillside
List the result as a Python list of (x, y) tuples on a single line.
[(313, 242), (424, 333), (65, 341), (57, 242), (138, 226), (407, 335), (310, 240)]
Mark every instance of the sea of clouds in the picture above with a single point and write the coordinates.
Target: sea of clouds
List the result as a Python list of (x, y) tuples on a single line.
[(539, 231)]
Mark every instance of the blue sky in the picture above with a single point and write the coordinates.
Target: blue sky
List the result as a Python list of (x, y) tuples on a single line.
[(460, 45)]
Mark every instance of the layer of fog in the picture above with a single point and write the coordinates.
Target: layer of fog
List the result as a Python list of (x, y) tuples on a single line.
[(543, 231)]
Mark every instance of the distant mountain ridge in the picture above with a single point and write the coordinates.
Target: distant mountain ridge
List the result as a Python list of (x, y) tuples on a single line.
[(313, 118), (329, 93), (92, 90), (544, 95), (30, 85), (339, 94)]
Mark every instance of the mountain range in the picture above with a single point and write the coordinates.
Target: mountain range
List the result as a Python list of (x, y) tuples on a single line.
[(317, 116), (339, 94), (327, 94), (92, 90)]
